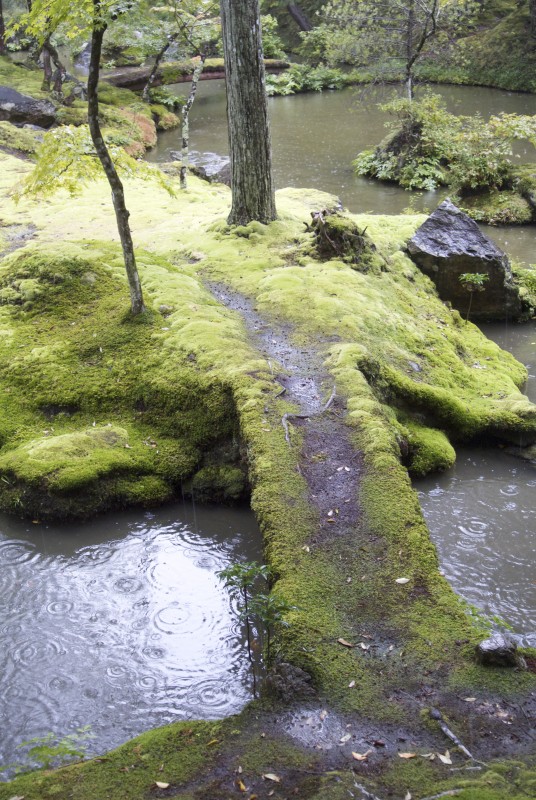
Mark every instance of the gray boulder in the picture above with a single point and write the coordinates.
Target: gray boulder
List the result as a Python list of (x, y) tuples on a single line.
[(21, 109), (499, 651), (450, 244)]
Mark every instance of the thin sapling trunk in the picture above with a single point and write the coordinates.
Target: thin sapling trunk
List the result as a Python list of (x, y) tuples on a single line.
[(118, 194), (185, 155)]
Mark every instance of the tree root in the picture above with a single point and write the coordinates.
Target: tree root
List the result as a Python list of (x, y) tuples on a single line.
[(286, 417)]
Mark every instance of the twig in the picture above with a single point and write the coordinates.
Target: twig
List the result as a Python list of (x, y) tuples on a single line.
[(282, 392), (436, 714), (367, 795), (286, 417)]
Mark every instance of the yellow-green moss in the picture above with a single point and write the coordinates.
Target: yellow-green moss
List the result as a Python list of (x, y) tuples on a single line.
[(18, 139)]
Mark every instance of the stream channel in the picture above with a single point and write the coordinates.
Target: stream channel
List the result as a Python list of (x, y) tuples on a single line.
[(121, 623)]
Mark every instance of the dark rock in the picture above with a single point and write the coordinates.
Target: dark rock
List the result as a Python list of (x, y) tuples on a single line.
[(450, 244), (290, 682), (499, 651), (22, 109)]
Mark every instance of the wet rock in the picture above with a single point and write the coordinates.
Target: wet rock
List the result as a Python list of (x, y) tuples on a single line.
[(526, 453), (499, 651), (450, 244), (290, 682), (22, 109)]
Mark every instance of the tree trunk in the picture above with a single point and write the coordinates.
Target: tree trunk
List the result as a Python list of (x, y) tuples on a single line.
[(118, 195), (158, 59), (409, 49), (247, 114), (532, 11), (47, 71), (3, 48), (185, 156)]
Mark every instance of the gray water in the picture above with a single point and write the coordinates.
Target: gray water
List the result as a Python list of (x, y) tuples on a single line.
[(481, 513), (120, 623)]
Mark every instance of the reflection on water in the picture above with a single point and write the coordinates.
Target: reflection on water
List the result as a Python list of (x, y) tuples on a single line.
[(482, 515), (120, 623), (482, 519)]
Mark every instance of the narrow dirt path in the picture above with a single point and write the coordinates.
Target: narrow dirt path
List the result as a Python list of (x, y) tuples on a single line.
[(328, 462)]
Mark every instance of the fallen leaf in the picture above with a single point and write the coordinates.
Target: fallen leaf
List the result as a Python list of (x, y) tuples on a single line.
[(212, 741), (364, 646), (407, 755), (429, 756), (362, 756), (241, 786), (306, 548), (345, 643), (408, 796), (271, 776), (323, 714), (469, 699), (239, 770), (446, 759), (378, 743), (351, 684), (162, 785), (17, 797), (345, 738), (402, 580), (348, 580)]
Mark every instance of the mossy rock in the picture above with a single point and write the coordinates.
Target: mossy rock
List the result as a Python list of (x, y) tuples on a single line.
[(18, 140), (498, 207), (218, 484)]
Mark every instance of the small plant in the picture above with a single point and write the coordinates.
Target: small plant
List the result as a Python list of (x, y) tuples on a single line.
[(473, 282), (263, 608), (47, 751)]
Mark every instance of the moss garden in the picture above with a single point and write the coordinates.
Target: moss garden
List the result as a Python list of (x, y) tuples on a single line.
[(100, 410)]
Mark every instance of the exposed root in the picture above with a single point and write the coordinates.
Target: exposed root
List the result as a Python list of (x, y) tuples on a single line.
[(286, 417)]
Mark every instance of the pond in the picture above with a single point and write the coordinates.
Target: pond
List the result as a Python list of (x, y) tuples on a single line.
[(120, 623)]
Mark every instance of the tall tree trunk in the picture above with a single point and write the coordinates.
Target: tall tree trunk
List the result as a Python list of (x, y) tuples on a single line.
[(185, 155), (47, 70), (532, 11), (247, 114), (3, 49), (118, 195)]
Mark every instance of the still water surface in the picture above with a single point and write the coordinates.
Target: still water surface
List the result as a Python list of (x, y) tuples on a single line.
[(120, 623)]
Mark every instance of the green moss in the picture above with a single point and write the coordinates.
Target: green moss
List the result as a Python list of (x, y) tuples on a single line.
[(18, 139), (506, 207), (223, 484), (429, 449)]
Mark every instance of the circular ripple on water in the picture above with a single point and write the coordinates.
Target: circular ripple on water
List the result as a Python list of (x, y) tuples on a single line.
[(510, 490), (212, 695), (26, 652), (13, 551), (128, 584), (154, 653), (60, 683), (59, 607), (175, 618)]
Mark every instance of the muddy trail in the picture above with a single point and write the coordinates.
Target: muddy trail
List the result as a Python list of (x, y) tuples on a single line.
[(328, 462)]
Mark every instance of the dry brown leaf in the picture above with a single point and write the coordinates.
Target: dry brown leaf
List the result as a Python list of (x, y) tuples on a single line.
[(407, 755), (364, 646), (323, 714), (402, 580), (362, 756), (345, 643), (162, 785), (429, 756), (469, 699), (351, 684), (241, 785), (446, 759), (345, 738), (271, 776)]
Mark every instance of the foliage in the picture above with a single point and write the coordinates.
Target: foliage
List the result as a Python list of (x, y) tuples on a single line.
[(303, 78), (473, 282), (47, 751), (272, 43), (67, 160), (428, 147), (162, 96)]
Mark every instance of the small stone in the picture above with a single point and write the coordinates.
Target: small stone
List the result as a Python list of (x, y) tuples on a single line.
[(499, 651)]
